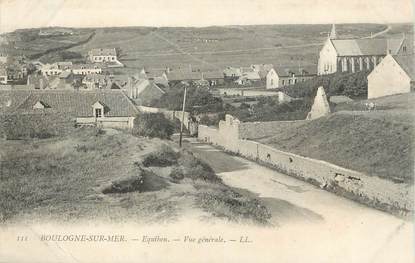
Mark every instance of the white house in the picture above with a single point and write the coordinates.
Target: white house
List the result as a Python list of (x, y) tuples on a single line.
[(98, 55), (285, 76), (353, 55), (394, 75), (85, 69)]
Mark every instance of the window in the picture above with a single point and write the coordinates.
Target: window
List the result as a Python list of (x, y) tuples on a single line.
[(98, 113), (272, 82), (289, 81), (283, 82)]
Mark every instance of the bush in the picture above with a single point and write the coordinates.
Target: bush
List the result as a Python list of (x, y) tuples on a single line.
[(153, 125), (124, 185), (176, 173), (197, 169), (165, 156)]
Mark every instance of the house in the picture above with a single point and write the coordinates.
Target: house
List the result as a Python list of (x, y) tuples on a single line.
[(3, 75), (95, 81), (99, 55), (3, 58), (104, 55), (159, 77), (232, 73), (284, 76), (55, 68), (248, 76), (143, 91), (103, 108), (84, 69), (262, 69), (353, 55), (394, 75), (214, 77)]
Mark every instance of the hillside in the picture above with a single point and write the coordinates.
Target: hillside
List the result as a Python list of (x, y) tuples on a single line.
[(112, 176), (378, 143), (206, 48)]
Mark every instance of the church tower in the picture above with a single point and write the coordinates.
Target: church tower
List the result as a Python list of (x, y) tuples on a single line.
[(333, 34)]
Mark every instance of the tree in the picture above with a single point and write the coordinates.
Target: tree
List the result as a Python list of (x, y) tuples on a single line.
[(153, 125)]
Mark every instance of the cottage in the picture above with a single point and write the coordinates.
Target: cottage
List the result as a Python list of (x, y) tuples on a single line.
[(394, 75), (232, 73), (213, 78), (55, 68), (99, 55), (108, 108), (262, 69), (159, 77), (104, 55), (144, 91), (84, 69), (3, 75), (353, 55), (284, 76)]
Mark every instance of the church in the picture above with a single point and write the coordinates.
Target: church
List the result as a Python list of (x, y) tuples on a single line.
[(353, 55)]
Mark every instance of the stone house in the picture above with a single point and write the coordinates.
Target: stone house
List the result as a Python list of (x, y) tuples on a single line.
[(104, 108), (99, 55), (55, 68), (353, 55), (143, 91), (84, 69), (394, 75), (3, 75), (284, 76)]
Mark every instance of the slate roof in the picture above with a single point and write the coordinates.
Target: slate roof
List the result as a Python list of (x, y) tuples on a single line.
[(366, 47), (103, 52), (407, 64), (77, 103), (298, 71)]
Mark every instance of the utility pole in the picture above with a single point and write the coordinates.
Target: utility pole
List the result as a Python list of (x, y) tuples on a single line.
[(181, 124)]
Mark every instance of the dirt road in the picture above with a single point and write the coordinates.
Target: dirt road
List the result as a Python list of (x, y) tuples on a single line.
[(342, 226)]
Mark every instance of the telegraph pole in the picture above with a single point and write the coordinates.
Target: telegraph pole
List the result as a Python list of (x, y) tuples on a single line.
[(181, 124)]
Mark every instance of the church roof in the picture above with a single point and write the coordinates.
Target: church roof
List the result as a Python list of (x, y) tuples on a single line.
[(366, 47), (407, 64)]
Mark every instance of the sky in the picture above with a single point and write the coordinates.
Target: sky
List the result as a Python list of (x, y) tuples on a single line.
[(102, 13)]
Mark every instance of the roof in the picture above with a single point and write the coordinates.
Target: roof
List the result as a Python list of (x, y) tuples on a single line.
[(143, 84), (298, 71), (103, 52), (80, 104), (86, 66), (365, 47), (407, 64)]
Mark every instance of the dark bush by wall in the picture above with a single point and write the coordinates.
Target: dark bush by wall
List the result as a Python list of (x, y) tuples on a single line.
[(35, 125), (153, 125)]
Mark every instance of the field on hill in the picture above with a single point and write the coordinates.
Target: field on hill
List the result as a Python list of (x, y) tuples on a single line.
[(205, 48), (378, 143), (112, 176), (218, 47)]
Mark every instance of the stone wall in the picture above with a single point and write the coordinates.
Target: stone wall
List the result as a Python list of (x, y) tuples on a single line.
[(253, 130), (377, 192)]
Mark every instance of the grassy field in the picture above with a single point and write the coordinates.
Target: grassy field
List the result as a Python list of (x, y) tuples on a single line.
[(217, 47), (377, 143), (107, 176)]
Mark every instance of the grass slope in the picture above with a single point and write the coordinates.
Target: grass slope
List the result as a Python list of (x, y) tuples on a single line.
[(65, 178), (355, 140)]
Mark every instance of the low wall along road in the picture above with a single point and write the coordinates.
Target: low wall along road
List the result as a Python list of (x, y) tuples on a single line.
[(394, 197)]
